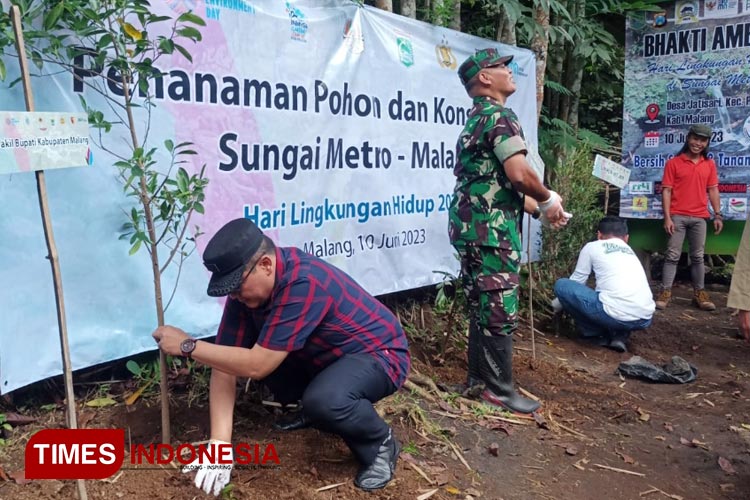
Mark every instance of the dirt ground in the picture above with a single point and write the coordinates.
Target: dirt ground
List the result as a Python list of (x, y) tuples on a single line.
[(598, 436)]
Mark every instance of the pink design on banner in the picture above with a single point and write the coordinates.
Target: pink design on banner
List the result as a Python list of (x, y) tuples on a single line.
[(203, 124)]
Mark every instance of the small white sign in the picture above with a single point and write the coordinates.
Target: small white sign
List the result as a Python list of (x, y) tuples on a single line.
[(610, 171), (31, 141)]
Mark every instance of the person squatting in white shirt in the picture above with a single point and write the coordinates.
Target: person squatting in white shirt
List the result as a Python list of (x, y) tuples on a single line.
[(622, 301)]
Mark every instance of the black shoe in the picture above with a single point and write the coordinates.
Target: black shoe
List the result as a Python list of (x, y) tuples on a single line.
[(292, 422), (380, 471), (618, 345)]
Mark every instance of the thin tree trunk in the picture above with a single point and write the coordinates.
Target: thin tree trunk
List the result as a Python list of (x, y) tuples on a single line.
[(386, 5), (455, 21), (409, 8), (540, 46), (575, 77), (555, 55), (505, 30)]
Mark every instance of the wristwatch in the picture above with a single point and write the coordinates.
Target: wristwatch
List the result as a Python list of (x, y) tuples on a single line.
[(536, 213), (187, 347), (719, 215)]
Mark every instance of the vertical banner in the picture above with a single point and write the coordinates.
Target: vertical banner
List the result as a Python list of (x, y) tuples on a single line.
[(331, 125), (686, 64)]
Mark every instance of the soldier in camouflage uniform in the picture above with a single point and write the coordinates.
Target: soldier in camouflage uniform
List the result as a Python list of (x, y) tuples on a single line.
[(492, 177)]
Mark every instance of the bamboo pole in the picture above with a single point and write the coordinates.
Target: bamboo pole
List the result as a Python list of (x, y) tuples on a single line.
[(531, 286), (51, 247)]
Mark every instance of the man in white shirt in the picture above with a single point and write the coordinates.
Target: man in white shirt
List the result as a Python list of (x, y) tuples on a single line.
[(622, 301)]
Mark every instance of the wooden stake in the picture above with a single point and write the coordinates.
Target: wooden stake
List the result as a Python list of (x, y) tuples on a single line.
[(531, 287), (50, 238), (606, 198)]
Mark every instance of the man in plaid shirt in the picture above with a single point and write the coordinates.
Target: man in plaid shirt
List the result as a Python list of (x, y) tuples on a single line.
[(311, 333)]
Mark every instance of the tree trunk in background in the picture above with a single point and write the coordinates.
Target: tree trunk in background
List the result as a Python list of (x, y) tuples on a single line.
[(409, 8), (555, 53), (455, 21), (540, 46), (386, 5), (575, 75), (505, 30)]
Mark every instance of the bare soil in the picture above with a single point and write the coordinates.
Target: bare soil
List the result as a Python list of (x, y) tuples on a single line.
[(599, 435)]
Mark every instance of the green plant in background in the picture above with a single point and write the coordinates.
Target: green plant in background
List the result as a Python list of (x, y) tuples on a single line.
[(581, 193), (146, 373), (4, 426), (113, 48), (452, 307)]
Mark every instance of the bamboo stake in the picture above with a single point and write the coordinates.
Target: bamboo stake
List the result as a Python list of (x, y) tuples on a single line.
[(531, 287), (49, 236)]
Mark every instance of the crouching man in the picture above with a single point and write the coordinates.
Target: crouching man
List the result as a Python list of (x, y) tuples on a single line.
[(311, 333), (622, 301)]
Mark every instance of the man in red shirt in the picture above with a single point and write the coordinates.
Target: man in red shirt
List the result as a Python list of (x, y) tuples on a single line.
[(687, 178)]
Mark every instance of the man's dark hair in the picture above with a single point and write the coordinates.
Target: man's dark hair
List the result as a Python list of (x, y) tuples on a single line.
[(686, 148), (614, 226), (267, 247)]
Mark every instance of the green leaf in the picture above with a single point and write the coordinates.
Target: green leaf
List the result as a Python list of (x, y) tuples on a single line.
[(166, 45), (189, 17), (133, 367), (2, 70), (182, 50), (169, 145), (199, 208), (135, 248), (182, 180), (54, 14), (100, 402), (190, 33)]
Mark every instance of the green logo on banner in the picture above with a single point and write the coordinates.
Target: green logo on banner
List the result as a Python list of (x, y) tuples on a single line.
[(405, 51)]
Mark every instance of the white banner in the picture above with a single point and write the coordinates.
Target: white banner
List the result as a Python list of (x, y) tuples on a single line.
[(42, 141), (333, 126)]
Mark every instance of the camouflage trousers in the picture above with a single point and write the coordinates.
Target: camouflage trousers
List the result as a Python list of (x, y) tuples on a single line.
[(490, 279)]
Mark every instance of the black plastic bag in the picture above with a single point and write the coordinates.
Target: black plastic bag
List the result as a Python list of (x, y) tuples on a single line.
[(677, 371)]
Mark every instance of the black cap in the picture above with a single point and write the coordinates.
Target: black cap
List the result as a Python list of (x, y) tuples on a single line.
[(227, 254)]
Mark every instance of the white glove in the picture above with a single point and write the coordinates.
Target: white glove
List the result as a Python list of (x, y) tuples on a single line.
[(552, 208), (562, 221), (213, 477), (556, 305)]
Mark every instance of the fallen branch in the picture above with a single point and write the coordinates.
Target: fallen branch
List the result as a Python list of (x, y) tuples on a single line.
[(528, 394), (654, 489), (427, 495), (623, 471), (566, 428), (422, 473), (460, 457), (330, 487)]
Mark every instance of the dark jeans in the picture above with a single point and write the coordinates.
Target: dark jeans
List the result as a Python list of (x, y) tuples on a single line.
[(587, 310), (339, 399)]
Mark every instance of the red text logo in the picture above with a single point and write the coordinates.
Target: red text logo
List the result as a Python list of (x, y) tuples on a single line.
[(218, 454), (74, 453)]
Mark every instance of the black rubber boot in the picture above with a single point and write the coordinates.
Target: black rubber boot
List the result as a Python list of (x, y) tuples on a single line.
[(473, 386), (474, 376), (496, 369)]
